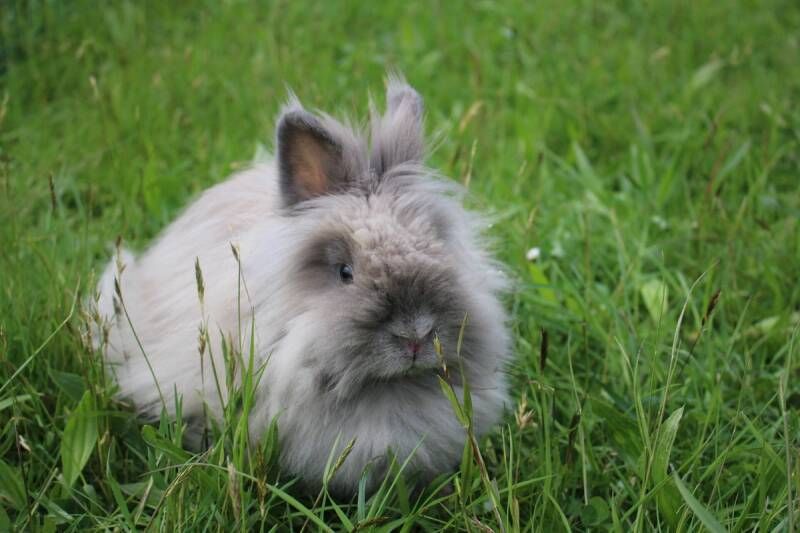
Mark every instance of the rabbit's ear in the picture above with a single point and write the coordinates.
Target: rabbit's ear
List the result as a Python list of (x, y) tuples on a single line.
[(310, 157), (402, 100), (397, 136)]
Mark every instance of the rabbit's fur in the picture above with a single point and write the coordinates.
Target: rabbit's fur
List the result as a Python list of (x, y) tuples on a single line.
[(348, 353)]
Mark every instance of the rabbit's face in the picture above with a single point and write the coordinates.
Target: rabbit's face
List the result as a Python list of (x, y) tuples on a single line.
[(382, 277), (383, 266)]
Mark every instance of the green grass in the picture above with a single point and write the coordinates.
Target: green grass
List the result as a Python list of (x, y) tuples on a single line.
[(650, 149)]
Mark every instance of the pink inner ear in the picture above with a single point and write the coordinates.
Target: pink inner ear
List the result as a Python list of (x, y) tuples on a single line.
[(310, 161)]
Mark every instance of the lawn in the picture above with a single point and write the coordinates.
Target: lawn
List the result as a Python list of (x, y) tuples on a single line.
[(650, 150)]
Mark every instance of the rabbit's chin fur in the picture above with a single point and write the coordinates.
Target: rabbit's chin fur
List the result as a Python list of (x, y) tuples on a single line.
[(334, 350)]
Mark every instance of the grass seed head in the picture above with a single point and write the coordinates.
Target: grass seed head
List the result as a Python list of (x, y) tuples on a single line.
[(233, 490), (198, 276)]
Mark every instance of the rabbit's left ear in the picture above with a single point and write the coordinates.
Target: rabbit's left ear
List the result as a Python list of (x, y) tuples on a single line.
[(397, 136), (310, 157)]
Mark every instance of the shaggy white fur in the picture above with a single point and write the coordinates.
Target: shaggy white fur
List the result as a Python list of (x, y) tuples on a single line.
[(354, 257)]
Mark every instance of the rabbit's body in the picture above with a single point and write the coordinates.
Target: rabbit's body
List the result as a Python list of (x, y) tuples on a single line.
[(351, 263), (161, 298)]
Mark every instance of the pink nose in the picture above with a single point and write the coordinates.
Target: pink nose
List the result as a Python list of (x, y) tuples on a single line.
[(414, 347)]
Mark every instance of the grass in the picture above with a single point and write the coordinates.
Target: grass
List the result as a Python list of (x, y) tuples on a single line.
[(650, 150)]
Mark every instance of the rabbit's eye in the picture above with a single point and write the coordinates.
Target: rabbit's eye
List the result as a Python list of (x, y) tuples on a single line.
[(346, 273)]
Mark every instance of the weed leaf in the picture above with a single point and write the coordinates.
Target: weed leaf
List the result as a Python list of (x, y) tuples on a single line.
[(539, 278), (699, 510), (11, 488), (668, 499), (70, 384), (80, 435), (654, 293)]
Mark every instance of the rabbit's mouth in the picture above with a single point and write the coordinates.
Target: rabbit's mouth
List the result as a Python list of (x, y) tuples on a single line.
[(425, 374), (416, 371), (419, 370)]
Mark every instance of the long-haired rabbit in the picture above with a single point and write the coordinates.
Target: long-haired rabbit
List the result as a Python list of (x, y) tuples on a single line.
[(350, 258)]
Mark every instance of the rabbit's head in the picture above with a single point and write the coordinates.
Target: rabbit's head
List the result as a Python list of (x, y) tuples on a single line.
[(388, 260)]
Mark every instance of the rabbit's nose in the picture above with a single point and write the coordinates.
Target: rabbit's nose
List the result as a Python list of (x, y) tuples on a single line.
[(416, 342), (413, 344), (414, 348), (414, 334)]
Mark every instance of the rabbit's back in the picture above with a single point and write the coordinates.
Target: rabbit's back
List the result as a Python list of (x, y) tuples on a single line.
[(160, 297)]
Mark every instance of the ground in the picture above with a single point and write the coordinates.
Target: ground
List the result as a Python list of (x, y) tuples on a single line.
[(650, 151)]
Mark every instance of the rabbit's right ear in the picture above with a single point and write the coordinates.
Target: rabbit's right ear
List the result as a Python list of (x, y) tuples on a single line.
[(310, 158)]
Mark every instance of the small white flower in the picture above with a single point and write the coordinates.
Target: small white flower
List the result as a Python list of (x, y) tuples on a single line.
[(533, 254), (659, 222)]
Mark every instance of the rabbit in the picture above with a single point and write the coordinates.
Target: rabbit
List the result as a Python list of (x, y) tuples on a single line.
[(349, 262)]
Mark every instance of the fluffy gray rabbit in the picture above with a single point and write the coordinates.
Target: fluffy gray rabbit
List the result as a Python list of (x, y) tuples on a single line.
[(353, 257)]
